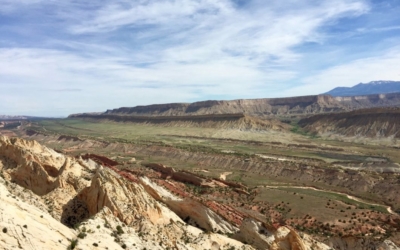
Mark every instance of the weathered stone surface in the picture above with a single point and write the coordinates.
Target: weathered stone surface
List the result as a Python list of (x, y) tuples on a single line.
[(282, 238)]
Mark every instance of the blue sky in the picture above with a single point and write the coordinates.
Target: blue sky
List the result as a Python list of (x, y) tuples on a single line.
[(62, 57)]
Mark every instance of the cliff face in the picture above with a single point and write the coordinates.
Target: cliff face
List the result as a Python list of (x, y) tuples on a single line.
[(370, 101), (166, 109), (258, 107), (371, 123), (302, 105)]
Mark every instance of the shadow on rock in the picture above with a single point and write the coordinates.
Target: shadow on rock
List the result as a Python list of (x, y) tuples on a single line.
[(74, 212)]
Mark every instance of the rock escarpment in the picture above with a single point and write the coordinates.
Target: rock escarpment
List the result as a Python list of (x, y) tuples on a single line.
[(252, 107), (263, 108), (371, 123)]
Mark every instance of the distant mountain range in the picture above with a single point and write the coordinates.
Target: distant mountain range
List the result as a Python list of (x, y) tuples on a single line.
[(13, 117), (374, 87), (20, 117)]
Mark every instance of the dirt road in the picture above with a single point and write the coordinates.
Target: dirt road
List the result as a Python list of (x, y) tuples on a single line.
[(388, 208)]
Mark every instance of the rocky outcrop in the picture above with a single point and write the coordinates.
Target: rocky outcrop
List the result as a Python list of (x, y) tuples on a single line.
[(127, 201), (284, 238), (191, 211), (27, 227), (39, 168), (360, 244), (100, 159), (186, 177)]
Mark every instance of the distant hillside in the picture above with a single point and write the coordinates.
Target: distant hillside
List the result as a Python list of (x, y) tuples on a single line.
[(375, 87), (254, 107), (290, 107), (371, 123), (221, 121)]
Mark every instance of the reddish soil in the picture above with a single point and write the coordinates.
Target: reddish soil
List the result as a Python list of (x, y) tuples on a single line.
[(227, 212)]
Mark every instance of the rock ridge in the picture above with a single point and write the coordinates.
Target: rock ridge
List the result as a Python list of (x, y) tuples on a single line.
[(263, 108)]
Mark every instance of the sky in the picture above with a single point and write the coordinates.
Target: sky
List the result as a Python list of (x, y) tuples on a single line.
[(59, 57)]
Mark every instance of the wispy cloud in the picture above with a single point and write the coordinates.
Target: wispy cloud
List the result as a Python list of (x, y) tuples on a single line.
[(199, 30), (65, 90), (381, 29), (107, 54)]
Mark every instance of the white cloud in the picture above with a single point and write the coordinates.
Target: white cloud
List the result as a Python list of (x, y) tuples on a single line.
[(122, 13), (49, 76), (126, 53), (204, 29)]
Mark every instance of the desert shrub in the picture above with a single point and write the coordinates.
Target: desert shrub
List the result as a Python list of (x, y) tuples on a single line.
[(119, 230), (82, 235), (73, 244), (5, 230)]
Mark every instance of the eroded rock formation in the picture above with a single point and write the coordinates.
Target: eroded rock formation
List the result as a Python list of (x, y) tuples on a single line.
[(111, 208)]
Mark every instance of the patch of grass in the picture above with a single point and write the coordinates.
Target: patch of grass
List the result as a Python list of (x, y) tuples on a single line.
[(296, 129)]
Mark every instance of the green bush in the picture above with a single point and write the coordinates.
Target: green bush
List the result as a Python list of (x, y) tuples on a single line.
[(73, 244), (119, 230), (82, 235)]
